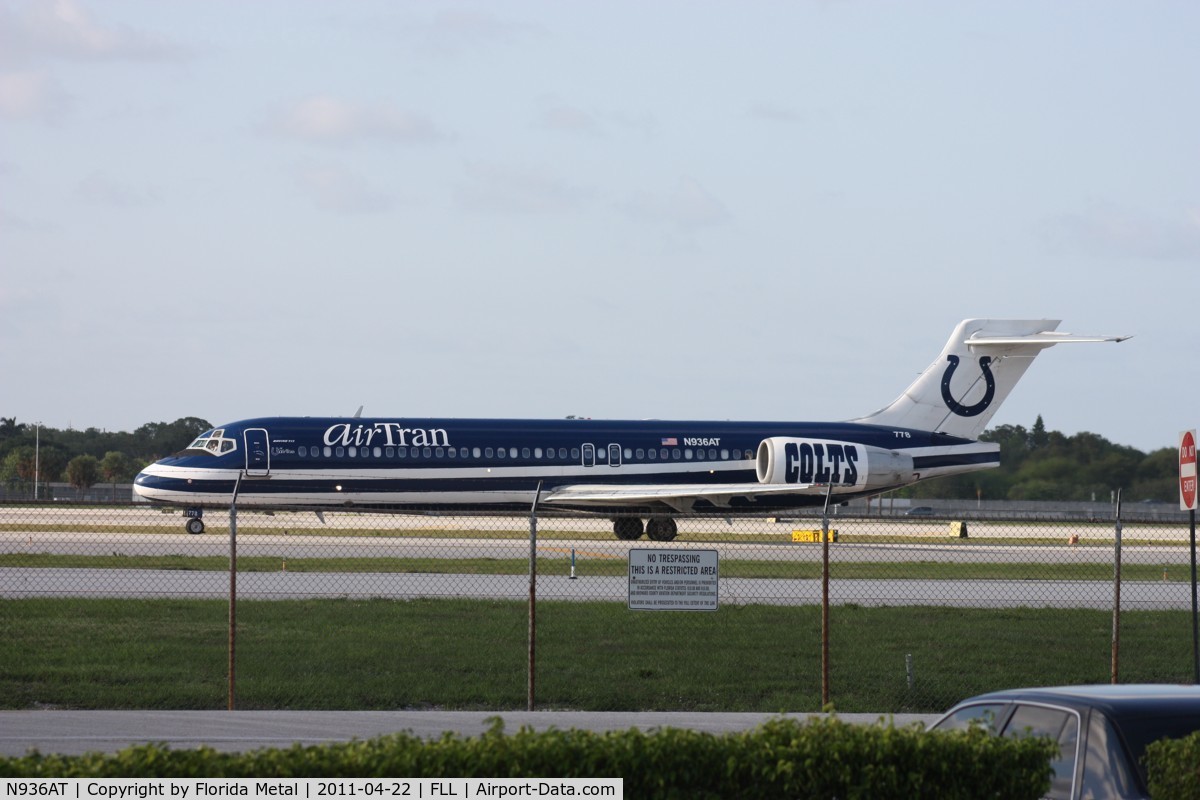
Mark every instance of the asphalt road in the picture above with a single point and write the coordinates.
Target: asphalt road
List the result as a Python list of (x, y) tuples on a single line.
[(75, 732), (26, 582)]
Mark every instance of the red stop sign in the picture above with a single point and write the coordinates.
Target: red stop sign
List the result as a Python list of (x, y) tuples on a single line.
[(1187, 471)]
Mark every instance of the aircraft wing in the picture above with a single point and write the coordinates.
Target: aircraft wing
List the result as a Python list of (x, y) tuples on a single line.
[(680, 497)]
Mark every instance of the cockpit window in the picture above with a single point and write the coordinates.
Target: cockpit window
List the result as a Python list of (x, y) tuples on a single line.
[(214, 442)]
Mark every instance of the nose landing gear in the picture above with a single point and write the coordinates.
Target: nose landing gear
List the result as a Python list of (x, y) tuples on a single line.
[(195, 523)]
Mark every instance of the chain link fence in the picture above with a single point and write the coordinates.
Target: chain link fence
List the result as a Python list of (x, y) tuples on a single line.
[(119, 606)]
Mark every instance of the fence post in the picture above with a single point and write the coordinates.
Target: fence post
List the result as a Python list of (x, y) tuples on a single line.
[(825, 601), (533, 595), (1116, 617), (237, 485)]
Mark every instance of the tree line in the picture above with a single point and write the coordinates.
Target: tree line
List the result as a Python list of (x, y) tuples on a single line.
[(1039, 464), (30, 453), (1035, 464)]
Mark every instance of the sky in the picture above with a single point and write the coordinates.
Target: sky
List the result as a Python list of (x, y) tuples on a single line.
[(676, 210)]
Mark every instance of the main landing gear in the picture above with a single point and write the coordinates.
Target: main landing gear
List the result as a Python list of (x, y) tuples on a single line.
[(660, 529)]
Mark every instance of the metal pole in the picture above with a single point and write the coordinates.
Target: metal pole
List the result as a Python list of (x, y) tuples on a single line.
[(825, 601), (533, 595), (1195, 619), (237, 485), (37, 455), (1116, 618)]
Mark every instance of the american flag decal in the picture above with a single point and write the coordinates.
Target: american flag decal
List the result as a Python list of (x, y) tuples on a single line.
[(669, 441)]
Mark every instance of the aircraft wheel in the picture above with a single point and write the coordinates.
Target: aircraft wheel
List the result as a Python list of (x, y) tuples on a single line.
[(662, 529), (627, 529), (195, 526)]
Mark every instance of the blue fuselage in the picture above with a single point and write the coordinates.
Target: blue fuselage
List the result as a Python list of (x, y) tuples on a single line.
[(437, 463)]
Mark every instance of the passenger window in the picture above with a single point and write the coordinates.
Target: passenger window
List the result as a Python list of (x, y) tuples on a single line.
[(1058, 724), (724, 454), (352, 451), (328, 451), (377, 452), (303, 451), (402, 452), (562, 453), (341, 451), (640, 454), (475, 452), (628, 453), (537, 452), (985, 714), (1106, 770), (501, 452), (575, 453), (426, 452), (652, 453), (712, 454), (688, 454), (524, 452), (391, 452), (440, 452)]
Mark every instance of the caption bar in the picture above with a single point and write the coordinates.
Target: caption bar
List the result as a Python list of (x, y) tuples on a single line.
[(204, 788)]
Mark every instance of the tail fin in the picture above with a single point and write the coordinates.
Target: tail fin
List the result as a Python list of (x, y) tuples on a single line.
[(981, 363)]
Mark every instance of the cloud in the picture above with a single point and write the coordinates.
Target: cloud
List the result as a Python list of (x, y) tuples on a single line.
[(328, 120), (687, 205), (64, 29), (451, 32), (1113, 232), (493, 188), (31, 96), (556, 115), (99, 189), (773, 113), (334, 188)]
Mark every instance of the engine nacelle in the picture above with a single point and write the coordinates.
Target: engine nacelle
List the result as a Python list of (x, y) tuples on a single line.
[(846, 466)]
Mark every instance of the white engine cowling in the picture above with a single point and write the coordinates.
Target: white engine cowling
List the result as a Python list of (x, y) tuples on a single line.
[(844, 465)]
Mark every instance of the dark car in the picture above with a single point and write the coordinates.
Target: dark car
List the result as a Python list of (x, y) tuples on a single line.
[(919, 511), (1102, 730)]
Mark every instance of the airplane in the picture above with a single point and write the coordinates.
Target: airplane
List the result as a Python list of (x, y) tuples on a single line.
[(639, 473)]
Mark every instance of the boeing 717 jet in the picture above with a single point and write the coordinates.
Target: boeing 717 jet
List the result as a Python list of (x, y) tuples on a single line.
[(640, 473)]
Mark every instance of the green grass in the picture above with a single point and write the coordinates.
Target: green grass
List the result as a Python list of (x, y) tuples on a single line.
[(614, 566), (465, 654)]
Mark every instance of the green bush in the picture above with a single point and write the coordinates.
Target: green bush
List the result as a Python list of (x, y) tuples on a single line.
[(1173, 768), (783, 758)]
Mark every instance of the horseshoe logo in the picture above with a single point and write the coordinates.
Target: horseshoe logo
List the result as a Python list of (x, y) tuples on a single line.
[(985, 364)]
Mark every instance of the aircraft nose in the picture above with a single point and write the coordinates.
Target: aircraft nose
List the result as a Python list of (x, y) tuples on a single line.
[(148, 483)]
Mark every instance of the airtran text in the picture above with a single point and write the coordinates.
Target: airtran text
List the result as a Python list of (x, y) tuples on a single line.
[(390, 434)]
